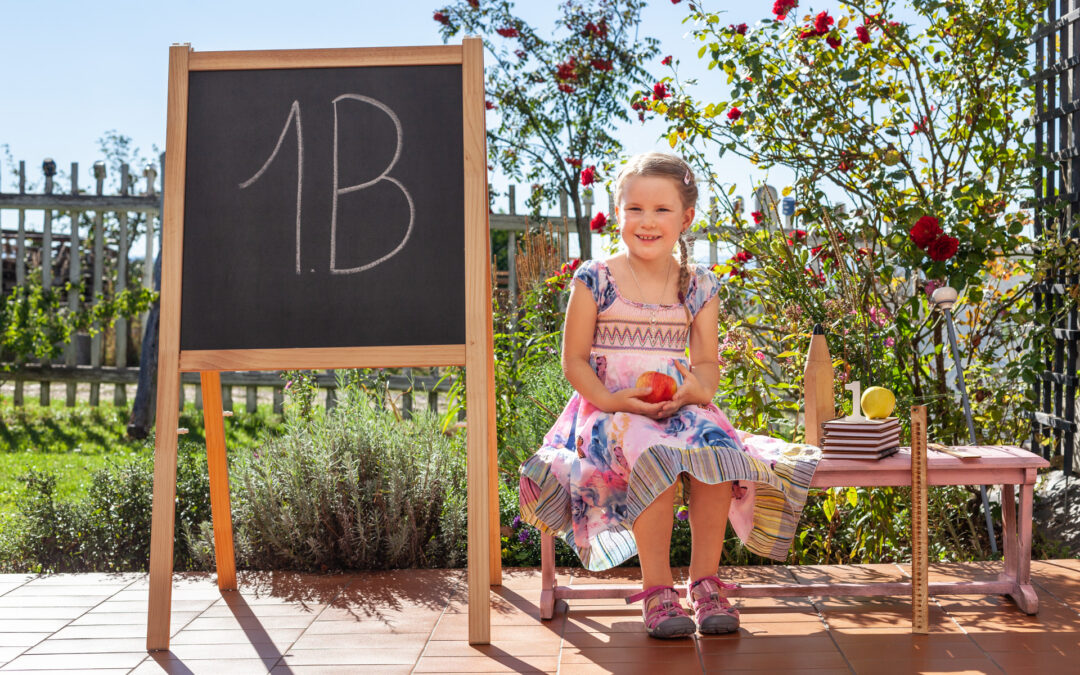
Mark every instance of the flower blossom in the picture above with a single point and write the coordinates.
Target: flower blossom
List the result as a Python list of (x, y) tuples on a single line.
[(943, 248), (734, 114), (862, 34), (660, 91), (508, 32), (740, 28), (599, 222), (822, 22), (925, 231), (567, 70), (574, 162), (489, 105), (588, 175), (601, 64), (782, 7), (595, 30), (666, 61), (442, 18), (758, 216)]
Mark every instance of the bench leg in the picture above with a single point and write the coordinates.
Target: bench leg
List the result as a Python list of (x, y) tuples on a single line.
[(1018, 547), (547, 572)]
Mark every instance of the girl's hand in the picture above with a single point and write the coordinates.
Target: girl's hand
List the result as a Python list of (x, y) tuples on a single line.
[(629, 400), (690, 392)]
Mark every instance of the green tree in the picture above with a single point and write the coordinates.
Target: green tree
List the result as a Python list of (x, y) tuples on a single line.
[(557, 95)]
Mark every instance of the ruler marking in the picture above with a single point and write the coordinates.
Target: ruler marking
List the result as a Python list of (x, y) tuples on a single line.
[(920, 601)]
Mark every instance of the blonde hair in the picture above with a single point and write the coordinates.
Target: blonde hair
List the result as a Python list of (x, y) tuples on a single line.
[(673, 167)]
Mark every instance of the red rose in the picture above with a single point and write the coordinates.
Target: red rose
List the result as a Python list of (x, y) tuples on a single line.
[(943, 248), (563, 87), (796, 236), (574, 162), (925, 231), (734, 114), (601, 64), (666, 61), (598, 223), (862, 34), (474, 3), (520, 53), (822, 22), (782, 7), (442, 18), (675, 2), (833, 41), (740, 29), (744, 256), (595, 30), (508, 32), (567, 70), (757, 216), (588, 176), (660, 91), (489, 105)]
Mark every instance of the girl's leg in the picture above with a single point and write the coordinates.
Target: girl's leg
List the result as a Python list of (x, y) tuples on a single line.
[(708, 523), (652, 531)]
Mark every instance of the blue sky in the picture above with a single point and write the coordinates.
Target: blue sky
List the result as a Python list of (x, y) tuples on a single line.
[(72, 70)]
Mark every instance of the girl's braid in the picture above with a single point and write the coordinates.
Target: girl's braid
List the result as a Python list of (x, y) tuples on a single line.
[(684, 279)]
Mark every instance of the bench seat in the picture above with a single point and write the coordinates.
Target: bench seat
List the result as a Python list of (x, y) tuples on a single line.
[(1005, 465)]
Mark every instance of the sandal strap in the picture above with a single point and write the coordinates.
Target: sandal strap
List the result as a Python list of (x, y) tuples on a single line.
[(647, 593)]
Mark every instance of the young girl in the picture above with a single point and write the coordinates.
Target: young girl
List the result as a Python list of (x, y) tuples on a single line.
[(611, 469)]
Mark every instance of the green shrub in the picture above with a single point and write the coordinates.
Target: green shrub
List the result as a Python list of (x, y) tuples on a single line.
[(350, 488), (109, 530)]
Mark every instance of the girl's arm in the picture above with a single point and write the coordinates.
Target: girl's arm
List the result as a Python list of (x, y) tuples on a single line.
[(578, 331), (699, 383)]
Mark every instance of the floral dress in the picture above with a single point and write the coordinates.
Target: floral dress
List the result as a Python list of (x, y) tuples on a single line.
[(595, 471)]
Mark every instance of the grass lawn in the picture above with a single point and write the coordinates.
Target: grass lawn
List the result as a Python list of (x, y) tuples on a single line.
[(73, 442)]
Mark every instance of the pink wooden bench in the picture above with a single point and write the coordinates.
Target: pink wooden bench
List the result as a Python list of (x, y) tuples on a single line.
[(1003, 465)]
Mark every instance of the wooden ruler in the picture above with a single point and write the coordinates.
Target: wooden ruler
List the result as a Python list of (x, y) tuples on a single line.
[(920, 562)]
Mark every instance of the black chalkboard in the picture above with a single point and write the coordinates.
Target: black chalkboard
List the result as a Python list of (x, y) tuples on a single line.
[(259, 141)]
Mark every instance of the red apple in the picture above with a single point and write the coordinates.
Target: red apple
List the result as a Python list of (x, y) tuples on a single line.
[(663, 386)]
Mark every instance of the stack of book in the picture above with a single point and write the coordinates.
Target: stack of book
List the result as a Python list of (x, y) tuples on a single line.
[(862, 439)]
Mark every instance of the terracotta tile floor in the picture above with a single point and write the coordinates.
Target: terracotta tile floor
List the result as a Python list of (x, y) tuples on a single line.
[(416, 621)]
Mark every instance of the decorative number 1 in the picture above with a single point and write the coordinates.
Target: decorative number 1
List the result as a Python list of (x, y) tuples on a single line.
[(294, 111)]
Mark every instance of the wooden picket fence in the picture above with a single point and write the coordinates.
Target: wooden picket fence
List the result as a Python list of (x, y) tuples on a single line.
[(60, 244)]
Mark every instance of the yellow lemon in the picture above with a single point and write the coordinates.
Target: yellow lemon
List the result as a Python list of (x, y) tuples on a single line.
[(878, 403)]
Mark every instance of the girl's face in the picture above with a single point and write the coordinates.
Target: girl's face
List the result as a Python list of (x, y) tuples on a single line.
[(651, 216)]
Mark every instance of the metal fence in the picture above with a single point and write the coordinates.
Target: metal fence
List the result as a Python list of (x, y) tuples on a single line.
[(1056, 78)]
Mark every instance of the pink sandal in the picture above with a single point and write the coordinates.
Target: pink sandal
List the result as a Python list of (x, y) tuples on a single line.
[(664, 618), (713, 612)]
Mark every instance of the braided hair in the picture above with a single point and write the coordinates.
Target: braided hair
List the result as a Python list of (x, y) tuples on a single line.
[(675, 168)]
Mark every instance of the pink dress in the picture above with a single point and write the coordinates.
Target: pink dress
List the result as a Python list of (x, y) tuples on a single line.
[(595, 472)]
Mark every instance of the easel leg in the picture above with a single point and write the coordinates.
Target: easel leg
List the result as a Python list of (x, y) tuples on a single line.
[(547, 572), (164, 508), (493, 495), (217, 466)]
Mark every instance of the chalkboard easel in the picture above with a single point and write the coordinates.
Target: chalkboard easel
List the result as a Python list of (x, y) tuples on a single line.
[(319, 213)]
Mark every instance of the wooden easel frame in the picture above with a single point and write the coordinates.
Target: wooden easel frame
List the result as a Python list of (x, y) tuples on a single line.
[(477, 354)]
